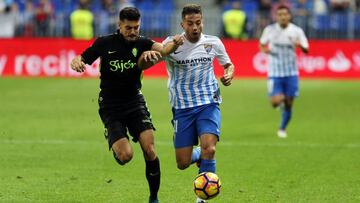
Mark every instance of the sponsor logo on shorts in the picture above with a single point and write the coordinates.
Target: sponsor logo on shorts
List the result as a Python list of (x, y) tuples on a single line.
[(146, 121)]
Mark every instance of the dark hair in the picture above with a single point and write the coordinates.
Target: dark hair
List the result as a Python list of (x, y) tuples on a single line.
[(129, 13), (191, 9), (283, 6)]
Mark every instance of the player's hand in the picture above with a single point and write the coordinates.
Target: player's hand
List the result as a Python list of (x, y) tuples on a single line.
[(78, 65), (228, 75), (226, 80), (178, 40), (153, 56), (297, 44), (267, 50)]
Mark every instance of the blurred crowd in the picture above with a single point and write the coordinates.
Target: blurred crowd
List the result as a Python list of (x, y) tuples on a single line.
[(318, 18), (240, 19), (82, 19)]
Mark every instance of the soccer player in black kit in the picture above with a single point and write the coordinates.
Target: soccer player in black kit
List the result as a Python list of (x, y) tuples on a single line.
[(122, 106)]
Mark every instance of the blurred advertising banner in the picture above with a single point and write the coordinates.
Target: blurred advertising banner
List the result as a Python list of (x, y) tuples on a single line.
[(52, 57)]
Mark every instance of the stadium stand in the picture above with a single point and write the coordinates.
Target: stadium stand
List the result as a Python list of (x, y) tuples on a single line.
[(162, 17)]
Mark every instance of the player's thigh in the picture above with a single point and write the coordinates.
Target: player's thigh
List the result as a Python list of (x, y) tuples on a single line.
[(141, 128), (116, 134), (114, 131), (138, 122), (275, 86), (208, 121), (185, 134), (291, 87), (183, 155), (146, 140)]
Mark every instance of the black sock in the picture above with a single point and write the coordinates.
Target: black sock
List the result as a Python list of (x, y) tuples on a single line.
[(153, 176)]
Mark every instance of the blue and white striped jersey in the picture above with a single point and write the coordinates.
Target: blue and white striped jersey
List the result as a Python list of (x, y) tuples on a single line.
[(281, 41), (190, 68)]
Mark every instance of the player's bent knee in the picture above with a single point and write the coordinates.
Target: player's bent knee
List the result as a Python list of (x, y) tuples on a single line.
[(208, 151), (122, 158), (275, 103), (183, 163), (126, 158), (183, 166)]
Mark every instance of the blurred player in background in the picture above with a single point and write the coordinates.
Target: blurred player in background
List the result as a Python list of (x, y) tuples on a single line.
[(280, 40), (194, 92), (122, 106)]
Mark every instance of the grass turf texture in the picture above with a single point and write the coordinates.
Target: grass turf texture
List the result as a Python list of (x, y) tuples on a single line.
[(53, 150)]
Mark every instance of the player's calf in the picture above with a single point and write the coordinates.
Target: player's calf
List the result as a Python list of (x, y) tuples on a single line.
[(149, 152)]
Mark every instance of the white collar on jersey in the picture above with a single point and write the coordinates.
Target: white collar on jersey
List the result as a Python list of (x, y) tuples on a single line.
[(201, 37), (280, 28)]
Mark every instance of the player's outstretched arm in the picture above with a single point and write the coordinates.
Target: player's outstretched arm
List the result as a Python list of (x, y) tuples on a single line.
[(159, 52), (228, 74), (78, 65), (169, 47)]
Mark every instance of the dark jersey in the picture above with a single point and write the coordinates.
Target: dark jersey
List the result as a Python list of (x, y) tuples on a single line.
[(120, 78)]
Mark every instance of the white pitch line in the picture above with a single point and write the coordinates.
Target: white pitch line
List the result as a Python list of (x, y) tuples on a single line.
[(165, 143)]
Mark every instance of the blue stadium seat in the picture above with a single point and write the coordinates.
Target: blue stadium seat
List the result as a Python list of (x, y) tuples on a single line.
[(95, 6), (249, 7), (166, 6), (156, 16), (145, 5), (21, 4), (322, 22), (340, 22), (357, 22), (146, 8)]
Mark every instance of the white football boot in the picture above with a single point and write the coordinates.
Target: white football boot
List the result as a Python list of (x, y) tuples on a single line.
[(198, 200), (281, 133)]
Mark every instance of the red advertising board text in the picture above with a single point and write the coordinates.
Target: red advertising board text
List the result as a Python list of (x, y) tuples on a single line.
[(52, 57)]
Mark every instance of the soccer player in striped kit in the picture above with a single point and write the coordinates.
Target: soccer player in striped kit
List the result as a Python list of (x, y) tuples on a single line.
[(194, 92), (279, 41)]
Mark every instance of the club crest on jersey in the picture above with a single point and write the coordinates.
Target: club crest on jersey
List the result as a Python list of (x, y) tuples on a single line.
[(207, 47), (134, 52)]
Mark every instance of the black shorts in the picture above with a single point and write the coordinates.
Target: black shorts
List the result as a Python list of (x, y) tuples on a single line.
[(118, 120)]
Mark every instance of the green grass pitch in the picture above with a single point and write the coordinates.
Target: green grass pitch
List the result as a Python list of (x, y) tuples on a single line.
[(52, 147)]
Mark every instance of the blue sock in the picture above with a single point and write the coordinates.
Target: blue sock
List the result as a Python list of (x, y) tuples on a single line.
[(207, 165), (195, 154), (285, 118)]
